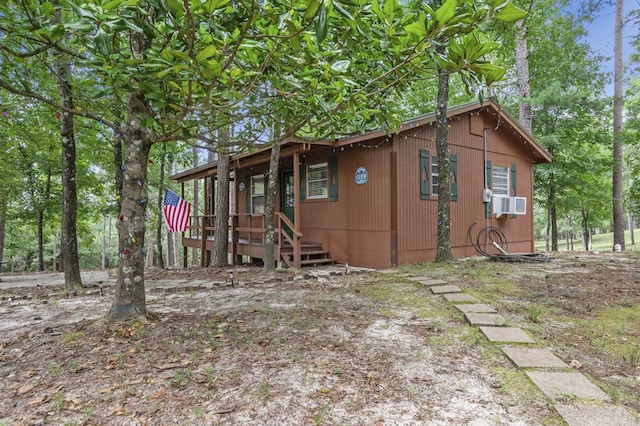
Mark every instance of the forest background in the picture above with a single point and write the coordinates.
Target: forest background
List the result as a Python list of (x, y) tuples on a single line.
[(571, 106)]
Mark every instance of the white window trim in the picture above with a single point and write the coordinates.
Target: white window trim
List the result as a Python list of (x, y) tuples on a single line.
[(254, 195), (318, 166), (502, 190), (434, 186)]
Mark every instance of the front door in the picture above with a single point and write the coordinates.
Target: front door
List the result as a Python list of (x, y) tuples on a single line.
[(287, 204)]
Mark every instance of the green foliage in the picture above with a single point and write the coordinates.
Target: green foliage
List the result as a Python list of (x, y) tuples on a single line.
[(313, 68)]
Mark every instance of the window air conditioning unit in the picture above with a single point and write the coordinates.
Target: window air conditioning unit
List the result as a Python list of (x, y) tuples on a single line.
[(503, 204)]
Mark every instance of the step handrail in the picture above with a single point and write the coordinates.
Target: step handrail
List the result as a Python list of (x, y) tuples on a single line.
[(294, 240)]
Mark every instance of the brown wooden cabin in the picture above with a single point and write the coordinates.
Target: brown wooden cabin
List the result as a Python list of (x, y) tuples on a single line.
[(371, 200)]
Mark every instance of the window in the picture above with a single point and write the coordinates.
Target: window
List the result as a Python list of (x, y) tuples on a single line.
[(430, 167), (317, 181), (257, 194), (434, 175), (500, 179)]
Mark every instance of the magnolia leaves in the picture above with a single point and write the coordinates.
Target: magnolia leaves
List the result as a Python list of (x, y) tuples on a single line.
[(455, 24)]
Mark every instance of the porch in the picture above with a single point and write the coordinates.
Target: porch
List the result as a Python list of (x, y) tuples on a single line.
[(247, 237)]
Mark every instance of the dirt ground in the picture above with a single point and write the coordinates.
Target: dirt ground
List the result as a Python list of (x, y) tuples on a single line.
[(360, 349)]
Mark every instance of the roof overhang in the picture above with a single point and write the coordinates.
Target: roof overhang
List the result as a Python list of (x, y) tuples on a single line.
[(490, 106), (290, 146)]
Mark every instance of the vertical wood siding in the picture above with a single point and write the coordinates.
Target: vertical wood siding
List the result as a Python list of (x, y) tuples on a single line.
[(417, 227), (357, 226)]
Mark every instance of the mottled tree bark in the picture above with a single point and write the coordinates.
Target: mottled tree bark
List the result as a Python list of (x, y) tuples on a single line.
[(443, 253), (160, 223), (270, 208), (618, 202), (553, 215), (129, 299), (72, 277), (522, 71), (41, 210), (221, 245), (3, 221)]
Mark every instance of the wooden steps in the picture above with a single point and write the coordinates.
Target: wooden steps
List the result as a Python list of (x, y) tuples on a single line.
[(311, 254)]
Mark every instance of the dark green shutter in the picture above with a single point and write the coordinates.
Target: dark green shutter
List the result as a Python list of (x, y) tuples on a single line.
[(489, 205), (425, 171), (453, 177), (247, 190), (303, 182), (333, 179)]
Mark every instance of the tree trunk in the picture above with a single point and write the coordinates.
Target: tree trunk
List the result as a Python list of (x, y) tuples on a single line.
[(220, 257), (618, 207), (270, 207), (631, 227), (129, 299), (196, 202), (553, 217), (103, 254), (548, 231), (522, 70), (159, 224), (118, 169), (443, 253), (177, 237), (554, 228), (72, 277), (585, 229), (150, 251), (41, 211), (40, 240), (3, 221)]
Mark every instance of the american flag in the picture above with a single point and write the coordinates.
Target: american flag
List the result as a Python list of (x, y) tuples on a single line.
[(176, 212)]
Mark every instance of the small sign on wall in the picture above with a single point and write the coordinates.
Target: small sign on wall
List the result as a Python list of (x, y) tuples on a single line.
[(361, 176)]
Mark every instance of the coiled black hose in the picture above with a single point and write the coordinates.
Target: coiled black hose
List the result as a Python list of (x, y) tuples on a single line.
[(499, 241)]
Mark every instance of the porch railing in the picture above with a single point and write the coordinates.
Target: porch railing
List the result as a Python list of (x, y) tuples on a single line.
[(248, 229)]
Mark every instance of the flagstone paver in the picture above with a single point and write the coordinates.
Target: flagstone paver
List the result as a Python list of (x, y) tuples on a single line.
[(506, 335), (443, 289), (475, 318), (459, 298), (430, 283), (595, 415), (533, 357), (479, 308), (420, 278), (557, 385)]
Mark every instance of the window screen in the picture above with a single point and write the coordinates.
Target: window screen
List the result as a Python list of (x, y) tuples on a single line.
[(317, 181)]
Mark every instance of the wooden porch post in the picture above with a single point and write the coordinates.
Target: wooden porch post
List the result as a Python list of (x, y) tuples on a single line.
[(185, 252), (297, 258)]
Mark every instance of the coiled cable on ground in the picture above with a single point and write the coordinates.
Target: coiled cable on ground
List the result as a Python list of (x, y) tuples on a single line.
[(498, 240)]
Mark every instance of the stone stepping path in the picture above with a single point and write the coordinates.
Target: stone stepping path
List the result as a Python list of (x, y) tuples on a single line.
[(430, 283), (444, 289), (428, 280), (479, 308), (562, 385), (554, 384), (459, 298), (485, 319), (506, 335), (533, 358), (595, 415)]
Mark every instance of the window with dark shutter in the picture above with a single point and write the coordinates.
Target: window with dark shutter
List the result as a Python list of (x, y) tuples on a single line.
[(425, 163)]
